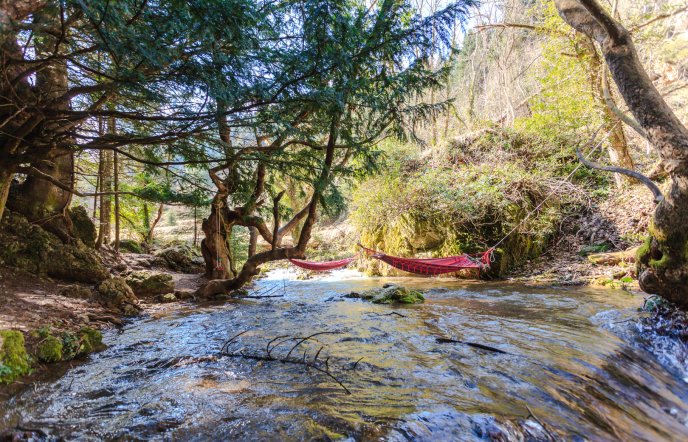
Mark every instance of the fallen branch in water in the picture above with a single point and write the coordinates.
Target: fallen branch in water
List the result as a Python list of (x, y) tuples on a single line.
[(321, 367), (470, 344), (386, 314)]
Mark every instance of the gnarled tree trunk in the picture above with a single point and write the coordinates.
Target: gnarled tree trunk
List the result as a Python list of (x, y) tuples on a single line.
[(38, 199), (663, 261)]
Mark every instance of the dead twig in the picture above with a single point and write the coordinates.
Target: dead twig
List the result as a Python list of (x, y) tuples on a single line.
[(470, 344)]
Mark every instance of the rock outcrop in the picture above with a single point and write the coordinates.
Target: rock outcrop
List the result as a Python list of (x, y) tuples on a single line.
[(29, 247), (116, 295), (146, 283)]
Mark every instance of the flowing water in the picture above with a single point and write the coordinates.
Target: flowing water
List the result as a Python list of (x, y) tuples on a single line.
[(573, 368)]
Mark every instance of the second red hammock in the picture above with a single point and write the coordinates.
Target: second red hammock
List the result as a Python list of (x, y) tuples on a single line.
[(322, 266), (434, 266)]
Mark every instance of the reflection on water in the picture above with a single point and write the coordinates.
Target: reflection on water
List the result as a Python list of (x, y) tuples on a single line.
[(571, 370)]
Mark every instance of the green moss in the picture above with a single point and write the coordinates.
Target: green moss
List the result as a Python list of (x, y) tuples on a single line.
[(662, 263), (14, 360), (91, 340), (49, 349), (129, 245), (390, 295)]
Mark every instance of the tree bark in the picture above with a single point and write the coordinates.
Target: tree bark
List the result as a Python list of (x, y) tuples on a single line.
[(39, 200), (663, 261), (6, 177), (106, 160), (214, 245), (115, 165)]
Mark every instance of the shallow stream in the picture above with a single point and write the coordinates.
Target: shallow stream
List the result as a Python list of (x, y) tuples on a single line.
[(573, 368)]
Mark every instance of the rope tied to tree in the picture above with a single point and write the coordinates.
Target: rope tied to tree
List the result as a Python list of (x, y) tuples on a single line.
[(218, 240)]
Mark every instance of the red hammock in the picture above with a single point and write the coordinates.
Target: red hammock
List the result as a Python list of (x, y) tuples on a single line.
[(434, 266), (322, 266)]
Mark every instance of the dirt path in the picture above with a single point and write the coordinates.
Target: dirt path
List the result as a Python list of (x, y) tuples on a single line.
[(28, 302)]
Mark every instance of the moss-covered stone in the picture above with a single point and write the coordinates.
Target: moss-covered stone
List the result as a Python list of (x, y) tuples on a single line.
[(115, 294), (82, 226), (391, 294), (180, 258), (14, 360), (129, 245), (91, 340), (167, 297), (76, 292), (29, 247), (145, 283), (49, 349)]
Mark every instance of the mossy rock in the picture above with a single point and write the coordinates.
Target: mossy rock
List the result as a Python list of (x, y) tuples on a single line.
[(82, 226), (146, 283), (49, 349), (115, 294), (76, 291), (167, 297), (91, 340), (29, 247), (129, 245), (180, 258), (14, 360), (391, 294)]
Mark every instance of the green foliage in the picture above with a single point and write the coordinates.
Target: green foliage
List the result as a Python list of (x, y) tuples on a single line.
[(14, 361), (565, 103)]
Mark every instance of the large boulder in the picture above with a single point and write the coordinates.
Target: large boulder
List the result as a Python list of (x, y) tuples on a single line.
[(82, 226), (116, 295), (181, 258), (29, 247), (145, 283)]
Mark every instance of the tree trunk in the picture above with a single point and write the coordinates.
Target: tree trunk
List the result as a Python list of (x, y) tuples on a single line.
[(252, 241), (663, 261), (115, 165), (150, 236), (37, 199), (6, 177), (214, 245), (106, 160)]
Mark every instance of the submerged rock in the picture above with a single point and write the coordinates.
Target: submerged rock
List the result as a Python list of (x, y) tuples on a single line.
[(115, 294), (29, 247), (145, 283), (14, 360), (390, 294)]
